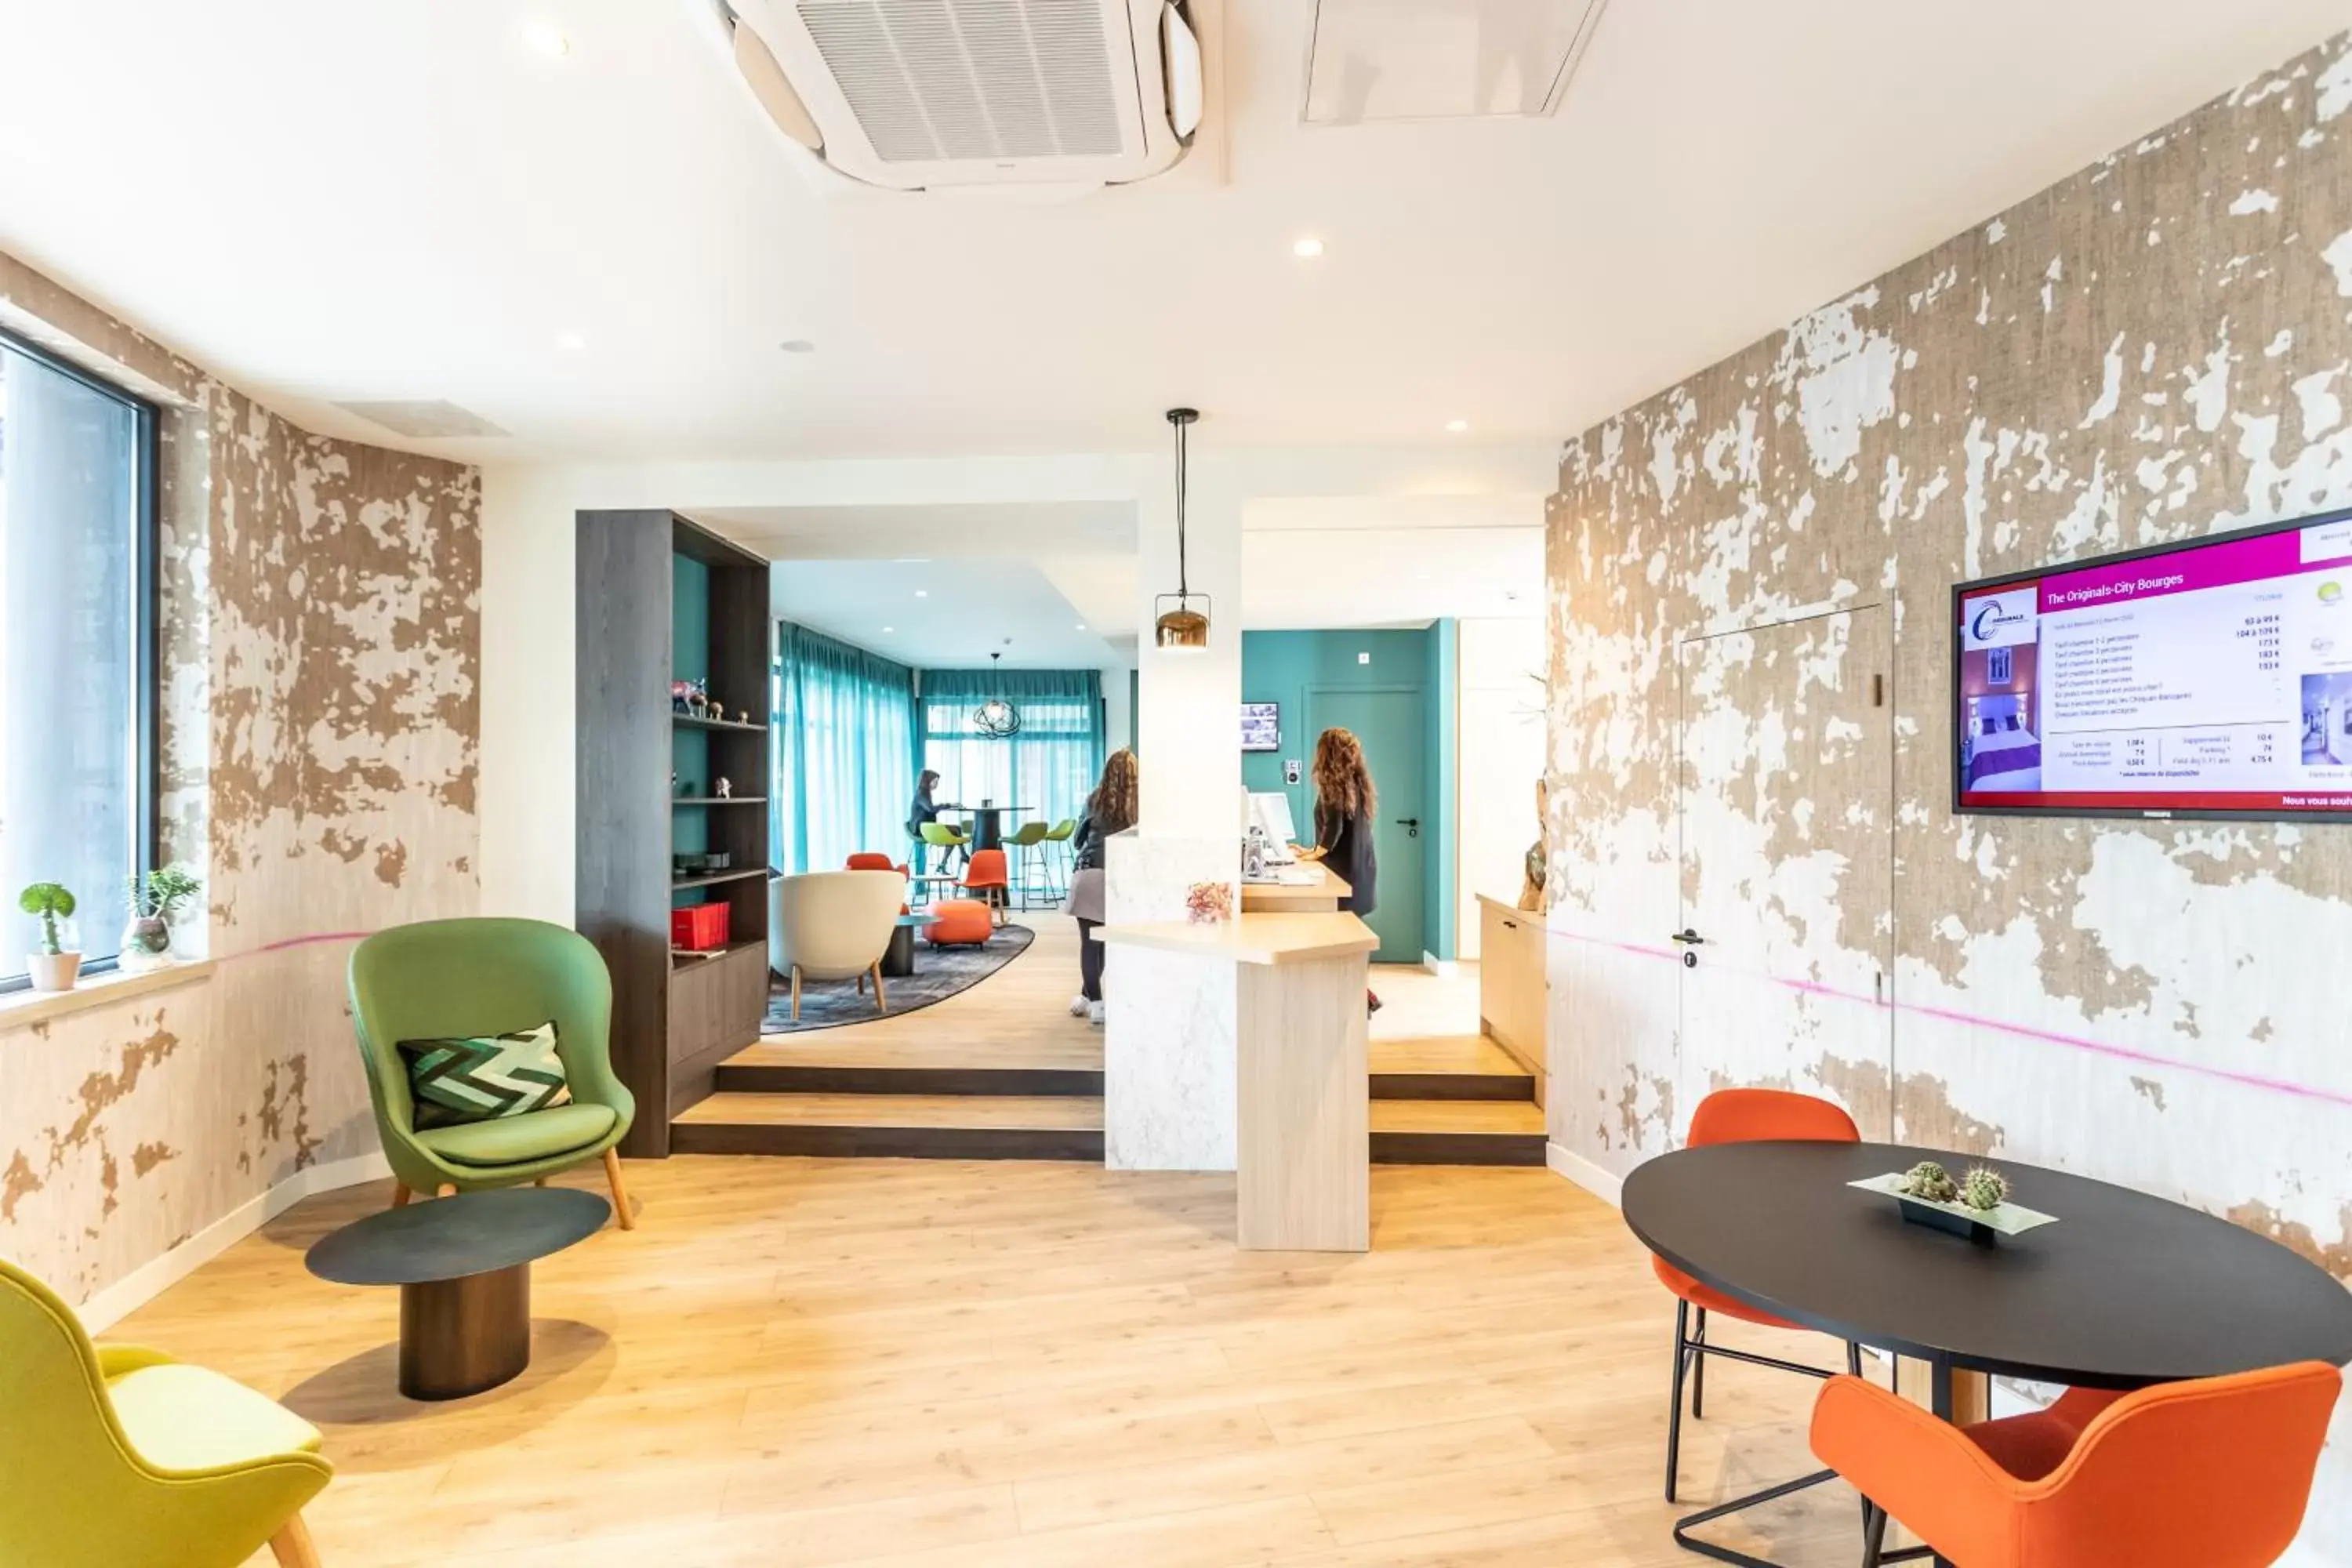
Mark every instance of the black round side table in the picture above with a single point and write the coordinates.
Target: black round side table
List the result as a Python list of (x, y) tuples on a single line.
[(2127, 1290), (463, 1265)]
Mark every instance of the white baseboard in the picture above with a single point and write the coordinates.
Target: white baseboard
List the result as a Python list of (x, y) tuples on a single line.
[(1592, 1178), (151, 1280), (1444, 968)]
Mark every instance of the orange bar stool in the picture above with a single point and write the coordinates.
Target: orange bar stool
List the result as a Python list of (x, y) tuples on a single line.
[(2210, 1473), (984, 880), (1739, 1115)]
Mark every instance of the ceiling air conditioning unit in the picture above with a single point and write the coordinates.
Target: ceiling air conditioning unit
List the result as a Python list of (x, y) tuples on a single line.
[(915, 95)]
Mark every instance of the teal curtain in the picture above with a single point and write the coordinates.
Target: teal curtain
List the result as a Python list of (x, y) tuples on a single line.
[(1048, 767), (845, 751)]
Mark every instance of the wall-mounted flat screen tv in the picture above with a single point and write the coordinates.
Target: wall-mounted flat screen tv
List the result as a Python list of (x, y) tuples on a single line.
[(1261, 726), (2207, 679)]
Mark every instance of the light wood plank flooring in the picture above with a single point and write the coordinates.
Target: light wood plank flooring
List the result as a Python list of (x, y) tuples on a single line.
[(927, 1363)]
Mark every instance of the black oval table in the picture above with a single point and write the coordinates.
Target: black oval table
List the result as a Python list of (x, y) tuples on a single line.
[(463, 1265), (2125, 1291)]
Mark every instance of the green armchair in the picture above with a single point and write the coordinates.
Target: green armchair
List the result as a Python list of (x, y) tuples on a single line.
[(451, 979), (121, 1457)]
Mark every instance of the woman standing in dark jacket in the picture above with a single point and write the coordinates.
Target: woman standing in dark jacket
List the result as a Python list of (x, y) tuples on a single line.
[(1112, 808), (1345, 802)]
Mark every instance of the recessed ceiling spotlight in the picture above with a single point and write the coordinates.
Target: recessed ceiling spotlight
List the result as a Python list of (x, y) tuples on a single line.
[(1308, 247), (1456, 426), (913, 560), (572, 340), (890, 629), (797, 346), (922, 593), (1082, 625), (546, 38)]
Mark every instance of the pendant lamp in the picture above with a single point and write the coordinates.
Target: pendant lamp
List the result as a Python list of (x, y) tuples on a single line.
[(1183, 623), (996, 718)]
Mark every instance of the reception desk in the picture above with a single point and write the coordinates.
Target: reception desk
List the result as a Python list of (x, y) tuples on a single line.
[(1319, 893), (1304, 1083)]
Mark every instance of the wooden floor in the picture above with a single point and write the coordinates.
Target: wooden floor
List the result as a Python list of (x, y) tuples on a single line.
[(935, 1364)]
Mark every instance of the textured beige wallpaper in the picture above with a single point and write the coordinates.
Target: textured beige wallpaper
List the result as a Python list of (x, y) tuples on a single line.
[(2155, 349), (321, 652)]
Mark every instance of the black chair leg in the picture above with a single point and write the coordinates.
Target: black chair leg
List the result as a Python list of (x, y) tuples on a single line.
[(1873, 1533), (1698, 1370), (1675, 1411), (1852, 1359)]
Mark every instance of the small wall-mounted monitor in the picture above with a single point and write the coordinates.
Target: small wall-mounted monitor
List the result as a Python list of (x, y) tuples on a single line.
[(1261, 726)]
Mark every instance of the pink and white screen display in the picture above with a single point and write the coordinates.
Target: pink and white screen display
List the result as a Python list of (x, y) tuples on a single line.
[(2212, 678)]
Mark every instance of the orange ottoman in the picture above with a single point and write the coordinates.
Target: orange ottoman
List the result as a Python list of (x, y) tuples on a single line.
[(959, 923)]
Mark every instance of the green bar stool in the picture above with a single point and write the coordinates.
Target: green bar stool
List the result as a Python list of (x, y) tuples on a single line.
[(1026, 838), (954, 840), (1064, 855)]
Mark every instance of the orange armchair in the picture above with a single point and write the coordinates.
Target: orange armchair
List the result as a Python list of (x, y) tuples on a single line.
[(1738, 1116), (2212, 1473), (874, 861)]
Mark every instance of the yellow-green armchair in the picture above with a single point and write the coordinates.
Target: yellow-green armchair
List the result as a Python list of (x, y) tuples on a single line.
[(116, 1456), (459, 978)]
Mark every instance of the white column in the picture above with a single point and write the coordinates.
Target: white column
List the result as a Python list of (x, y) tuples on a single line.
[(1169, 1058)]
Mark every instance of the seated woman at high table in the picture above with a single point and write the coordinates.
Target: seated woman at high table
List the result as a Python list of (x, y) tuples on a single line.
[(1344, 803)]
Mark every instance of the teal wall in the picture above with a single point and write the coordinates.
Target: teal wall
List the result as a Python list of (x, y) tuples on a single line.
[(690, 659), (1284, 667), (1442, 686)]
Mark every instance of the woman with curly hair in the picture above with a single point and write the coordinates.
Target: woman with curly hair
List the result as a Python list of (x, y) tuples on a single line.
[(1344, 803), (1112, 808)]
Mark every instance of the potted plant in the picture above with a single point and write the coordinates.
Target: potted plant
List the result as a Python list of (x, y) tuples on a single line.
[(155, 896), (58, 961)]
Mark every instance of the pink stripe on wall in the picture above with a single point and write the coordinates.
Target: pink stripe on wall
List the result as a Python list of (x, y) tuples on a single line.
[(1999, 1025)]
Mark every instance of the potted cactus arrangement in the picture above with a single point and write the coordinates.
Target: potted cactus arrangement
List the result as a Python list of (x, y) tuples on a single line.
[(155, 897), (1975, 1205), (58, 961)]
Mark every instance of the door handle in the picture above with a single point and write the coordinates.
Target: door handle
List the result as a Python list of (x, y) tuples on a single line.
[(1691, 936), (1411, 825)]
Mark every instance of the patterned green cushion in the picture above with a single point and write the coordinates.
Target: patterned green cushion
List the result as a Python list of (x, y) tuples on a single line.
[(488, 1076)]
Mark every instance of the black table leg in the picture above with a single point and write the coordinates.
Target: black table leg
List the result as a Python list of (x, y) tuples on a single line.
[(461, 1336), (1939, 1396), (898, 958)]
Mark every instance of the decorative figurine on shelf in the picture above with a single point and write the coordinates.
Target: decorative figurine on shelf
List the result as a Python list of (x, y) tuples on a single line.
[(743, 716), (678, 692), (724, 789), (1538, 857), (697, 698)]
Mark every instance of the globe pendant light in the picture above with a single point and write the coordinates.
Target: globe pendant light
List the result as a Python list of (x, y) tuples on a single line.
[(1181, 627), (996, 718)]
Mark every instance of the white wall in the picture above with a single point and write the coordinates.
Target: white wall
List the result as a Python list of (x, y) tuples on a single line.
[(1501, 693)]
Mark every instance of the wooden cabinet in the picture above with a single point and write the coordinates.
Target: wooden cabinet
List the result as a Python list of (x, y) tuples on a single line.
[(1513, 996), (659, 598)]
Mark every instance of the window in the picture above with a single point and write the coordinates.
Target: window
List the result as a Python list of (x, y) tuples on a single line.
[(77, 647)]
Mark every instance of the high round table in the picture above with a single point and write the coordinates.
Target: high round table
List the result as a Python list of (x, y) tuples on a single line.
[(2125, 1291), (463, 1265), (987, 822)]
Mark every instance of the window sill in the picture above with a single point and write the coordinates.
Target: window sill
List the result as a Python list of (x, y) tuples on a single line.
[(20, 1009)]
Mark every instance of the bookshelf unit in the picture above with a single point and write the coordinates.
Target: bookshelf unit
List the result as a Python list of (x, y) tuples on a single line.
[(659, 599)]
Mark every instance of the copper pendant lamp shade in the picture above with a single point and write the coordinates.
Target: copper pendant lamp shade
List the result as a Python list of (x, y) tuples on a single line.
[(1183, 615)]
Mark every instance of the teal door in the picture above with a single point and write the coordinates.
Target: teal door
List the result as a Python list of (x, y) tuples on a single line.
[(1388, 720)]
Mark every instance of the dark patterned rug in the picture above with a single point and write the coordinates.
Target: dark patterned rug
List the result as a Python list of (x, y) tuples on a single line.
[(940, 973)]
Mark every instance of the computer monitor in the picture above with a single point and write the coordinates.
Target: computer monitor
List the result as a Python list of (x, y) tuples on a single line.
[(1270, 811)]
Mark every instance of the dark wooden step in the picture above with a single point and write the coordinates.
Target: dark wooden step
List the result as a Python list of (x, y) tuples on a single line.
[(828, 1077)]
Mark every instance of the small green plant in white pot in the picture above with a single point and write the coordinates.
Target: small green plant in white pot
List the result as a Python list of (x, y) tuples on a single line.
[(58, 960), (155, 900)]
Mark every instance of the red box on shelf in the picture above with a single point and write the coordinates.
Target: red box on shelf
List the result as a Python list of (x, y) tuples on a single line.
[(699, 928)]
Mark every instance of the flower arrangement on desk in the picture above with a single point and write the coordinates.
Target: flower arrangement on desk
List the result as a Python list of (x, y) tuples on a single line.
[(154, 899), (1983, 1189), (1206, 903)]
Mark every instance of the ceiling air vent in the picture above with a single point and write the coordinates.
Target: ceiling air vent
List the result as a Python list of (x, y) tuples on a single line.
[(423, 420), (925, 94), (1443, 59)]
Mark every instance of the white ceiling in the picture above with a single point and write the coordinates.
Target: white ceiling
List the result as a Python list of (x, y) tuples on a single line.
[(942, 613), (397, 199)]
